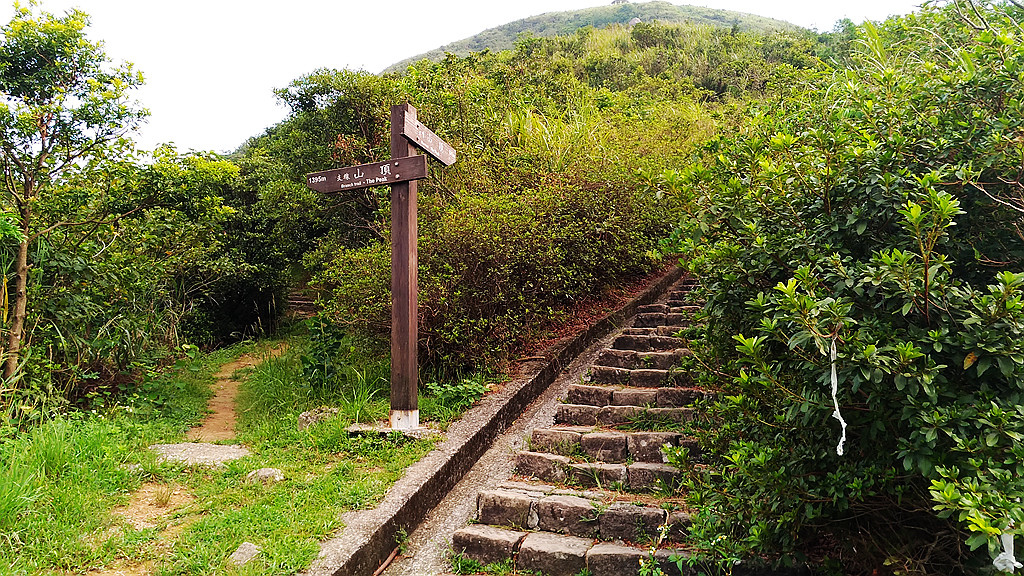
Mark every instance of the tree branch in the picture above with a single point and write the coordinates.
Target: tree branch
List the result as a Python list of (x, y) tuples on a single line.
[(984, 24), (91, 221)]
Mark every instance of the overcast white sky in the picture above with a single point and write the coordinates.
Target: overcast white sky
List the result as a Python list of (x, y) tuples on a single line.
[(211, 65)]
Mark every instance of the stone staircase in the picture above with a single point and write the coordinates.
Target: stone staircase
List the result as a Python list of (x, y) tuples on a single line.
[(300, 303), (593, 491)]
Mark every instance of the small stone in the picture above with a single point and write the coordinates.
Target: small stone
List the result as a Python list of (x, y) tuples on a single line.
[(245, 553), (648, 378), (665, 360), (678, 319), (635, 397), (576, 414), (677, 397), (265, 476), (315, 416), (552, 554), (609, 375), (665, 343), (528, 487), (613, 560), (617, 359), (682, 378), (486, 544), (649, 320), (616, 415), (638, 342), (568, 515), (680, 415), (678, 526)]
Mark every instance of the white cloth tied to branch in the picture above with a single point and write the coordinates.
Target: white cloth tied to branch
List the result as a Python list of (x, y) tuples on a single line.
[(1006, 561), (835, 401)]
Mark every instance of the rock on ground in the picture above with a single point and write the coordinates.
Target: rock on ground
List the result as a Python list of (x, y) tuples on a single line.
[(265, 476), (198, 453), (244, 554)]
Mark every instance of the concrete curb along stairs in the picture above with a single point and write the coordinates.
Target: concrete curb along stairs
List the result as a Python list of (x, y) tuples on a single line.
[(370, 535), (590, 495)]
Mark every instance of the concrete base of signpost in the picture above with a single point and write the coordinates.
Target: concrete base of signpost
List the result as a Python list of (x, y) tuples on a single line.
[(383, 431), (405, 419)]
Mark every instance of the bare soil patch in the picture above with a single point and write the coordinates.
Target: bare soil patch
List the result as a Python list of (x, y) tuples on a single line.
[(220, 424), (154, 505)]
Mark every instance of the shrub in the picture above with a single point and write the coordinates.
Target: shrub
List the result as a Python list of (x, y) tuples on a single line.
[(493, 267), (872, 233)]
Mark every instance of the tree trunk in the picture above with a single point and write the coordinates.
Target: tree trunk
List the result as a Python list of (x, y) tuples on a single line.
[(16, 336)]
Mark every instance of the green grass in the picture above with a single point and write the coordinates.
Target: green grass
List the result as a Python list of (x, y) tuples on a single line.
[(327, 471), (60, 480)]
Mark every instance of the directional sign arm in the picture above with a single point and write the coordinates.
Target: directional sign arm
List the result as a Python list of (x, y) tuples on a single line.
[(424, 139), (367, 175)]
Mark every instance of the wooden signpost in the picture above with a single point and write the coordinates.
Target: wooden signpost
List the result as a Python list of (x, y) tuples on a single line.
[(401, 173)]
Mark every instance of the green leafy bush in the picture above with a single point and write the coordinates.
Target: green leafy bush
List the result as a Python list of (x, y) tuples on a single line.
[(494, 266), (874, 209)]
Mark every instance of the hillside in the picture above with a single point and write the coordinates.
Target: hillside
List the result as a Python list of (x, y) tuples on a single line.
[(562, 23)]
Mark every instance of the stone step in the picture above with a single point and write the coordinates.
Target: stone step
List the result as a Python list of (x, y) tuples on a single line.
[(555, 554), (586, 415), (647, 343), (635, 477), (634, 396), (633, 360), (656, 319), (676, 308), (609, 446), (587, 514), (669, 331), (640, 377), (681, 294), (487, 544)]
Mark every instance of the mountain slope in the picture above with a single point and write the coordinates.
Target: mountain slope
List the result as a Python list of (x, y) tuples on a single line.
[(556, 23)]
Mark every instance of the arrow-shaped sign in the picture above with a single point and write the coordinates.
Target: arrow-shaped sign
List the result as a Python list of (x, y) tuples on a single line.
[(427, 141), (367, 175)]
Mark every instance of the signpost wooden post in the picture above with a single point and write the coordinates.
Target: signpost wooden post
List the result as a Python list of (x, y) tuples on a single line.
[(401, 173)]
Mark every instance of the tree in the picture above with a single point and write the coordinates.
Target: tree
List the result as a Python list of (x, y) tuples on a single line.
[(61, 103)]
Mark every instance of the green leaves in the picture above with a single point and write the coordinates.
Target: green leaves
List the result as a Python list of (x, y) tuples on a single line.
[(874, 207)]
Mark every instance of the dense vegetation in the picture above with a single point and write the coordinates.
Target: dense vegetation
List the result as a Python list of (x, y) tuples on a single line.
[(859, 239), (554, 198)]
